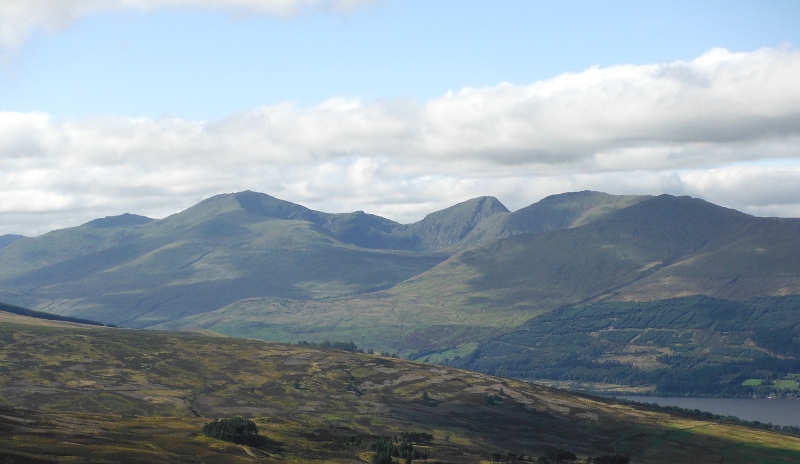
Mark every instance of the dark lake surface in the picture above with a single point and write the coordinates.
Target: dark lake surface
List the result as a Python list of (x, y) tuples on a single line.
[(777, 411)]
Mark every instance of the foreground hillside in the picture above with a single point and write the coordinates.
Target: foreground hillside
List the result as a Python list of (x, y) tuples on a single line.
[(75, 393)]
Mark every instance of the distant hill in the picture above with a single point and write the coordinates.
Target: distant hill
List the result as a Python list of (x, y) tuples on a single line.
[(8, 239), (92, 394)]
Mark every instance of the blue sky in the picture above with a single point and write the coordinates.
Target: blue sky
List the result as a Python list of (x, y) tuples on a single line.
[(394, 107), (206, 64)]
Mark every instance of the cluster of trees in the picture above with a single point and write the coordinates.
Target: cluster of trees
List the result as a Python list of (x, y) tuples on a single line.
[(47, 316), (557, 456), (236, 430), (609, 459), (388, 448), (554, 456), (353, 440), (426, 352), (343, 346), (770, 385), (507, 457), (240, 431), (492, 400), (351, 387), (416, 437)]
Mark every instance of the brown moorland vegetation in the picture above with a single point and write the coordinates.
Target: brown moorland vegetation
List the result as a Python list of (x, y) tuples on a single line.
[(73, 393)]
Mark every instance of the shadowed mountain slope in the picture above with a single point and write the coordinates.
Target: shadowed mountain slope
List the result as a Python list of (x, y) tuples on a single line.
[(455, 226)]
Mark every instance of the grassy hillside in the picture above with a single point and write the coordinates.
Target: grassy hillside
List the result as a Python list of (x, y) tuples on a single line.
[(76, 393)]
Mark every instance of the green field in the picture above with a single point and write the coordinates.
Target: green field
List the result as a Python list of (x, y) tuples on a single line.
[(787, 385)]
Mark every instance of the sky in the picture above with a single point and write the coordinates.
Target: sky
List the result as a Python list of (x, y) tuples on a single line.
[(397, 108)]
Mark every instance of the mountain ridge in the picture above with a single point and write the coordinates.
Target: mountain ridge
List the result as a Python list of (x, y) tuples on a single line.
[(443, 288), (205, 257)]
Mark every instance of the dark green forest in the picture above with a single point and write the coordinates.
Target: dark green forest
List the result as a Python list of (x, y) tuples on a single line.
[(715, 345)]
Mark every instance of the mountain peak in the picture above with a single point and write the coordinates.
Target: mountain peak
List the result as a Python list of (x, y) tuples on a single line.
[(450, 226), (265, 205), (122, 220), (566, 210), (472, 211)]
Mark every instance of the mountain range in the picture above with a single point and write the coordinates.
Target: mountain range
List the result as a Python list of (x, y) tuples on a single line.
[(645, 292)]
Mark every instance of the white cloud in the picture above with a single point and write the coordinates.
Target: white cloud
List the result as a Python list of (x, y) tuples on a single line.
[(725, 126), (18, 18)]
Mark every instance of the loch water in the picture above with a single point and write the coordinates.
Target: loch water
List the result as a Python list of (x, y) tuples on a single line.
[(778, 411)]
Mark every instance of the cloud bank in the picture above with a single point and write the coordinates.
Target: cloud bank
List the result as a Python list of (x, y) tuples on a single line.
[(725, 127), (18, 18)]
